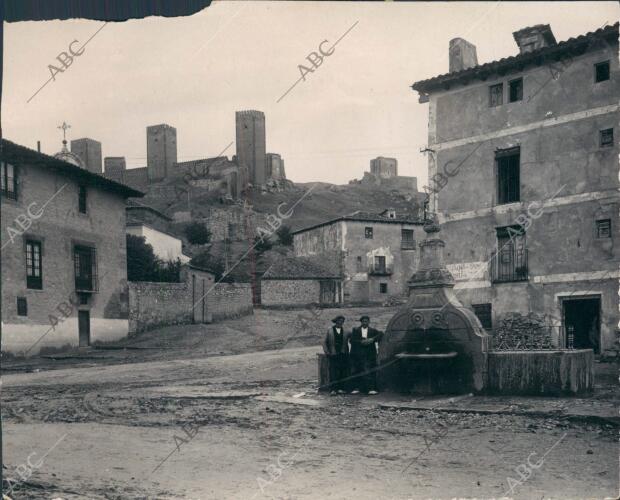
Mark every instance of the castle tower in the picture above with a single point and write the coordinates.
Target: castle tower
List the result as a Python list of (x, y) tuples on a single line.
[(89, 151), (251, 144), (161, 150)]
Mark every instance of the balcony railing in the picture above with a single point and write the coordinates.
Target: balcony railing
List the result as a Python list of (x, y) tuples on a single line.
[(85, 261), (509, 264)]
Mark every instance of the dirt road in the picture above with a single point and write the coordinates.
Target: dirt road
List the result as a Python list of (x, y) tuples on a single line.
[(231, 427)]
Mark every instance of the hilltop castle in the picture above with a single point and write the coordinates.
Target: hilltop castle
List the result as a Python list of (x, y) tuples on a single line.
[(251, 165)]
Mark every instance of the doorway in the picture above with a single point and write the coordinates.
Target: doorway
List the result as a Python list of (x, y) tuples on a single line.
[(84, 328), (582, 318)]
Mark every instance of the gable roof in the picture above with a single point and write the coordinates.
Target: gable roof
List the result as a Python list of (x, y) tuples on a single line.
[(15, 154), (292, 268), (552, 53), (360, 216), (137, 205)]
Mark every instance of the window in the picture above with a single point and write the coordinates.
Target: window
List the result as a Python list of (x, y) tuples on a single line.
[(601, 71), (368, 233), (496, 95), (407, 241), (606, 137), (83, 299), (508, 178), (85, 261), (515, 90), (380, 264), (8, 180), (358, 263), (509, 260), (22, 306), (382, 287), (34, 270), (82, 198), (603, 228), (483, 312)]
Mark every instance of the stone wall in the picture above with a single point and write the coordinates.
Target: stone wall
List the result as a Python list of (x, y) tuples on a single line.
[(152, 305), (158, 304), (289, 292), (230, 300)]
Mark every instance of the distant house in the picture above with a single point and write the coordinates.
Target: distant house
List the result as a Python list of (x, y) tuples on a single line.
[(302, 281), (377, 253), (64, 265), (165, 246)]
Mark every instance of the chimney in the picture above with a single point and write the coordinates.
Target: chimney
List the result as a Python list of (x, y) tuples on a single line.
[(39, 146), (534, 38), (462, 55)]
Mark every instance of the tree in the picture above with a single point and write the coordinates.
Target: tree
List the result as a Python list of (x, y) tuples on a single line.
[(262, 244), (197, 233), (285, 236), (143, 264)]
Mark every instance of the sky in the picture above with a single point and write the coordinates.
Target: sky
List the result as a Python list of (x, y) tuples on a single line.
[(194, 72)]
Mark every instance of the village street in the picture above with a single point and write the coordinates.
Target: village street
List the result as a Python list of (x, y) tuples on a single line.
[(238, 426)]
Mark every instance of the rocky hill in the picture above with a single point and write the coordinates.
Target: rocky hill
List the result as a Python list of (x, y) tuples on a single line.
[(311, 202)]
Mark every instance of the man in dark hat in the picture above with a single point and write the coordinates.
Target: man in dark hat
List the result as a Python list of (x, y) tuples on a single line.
[(364, 341), (336, 348)]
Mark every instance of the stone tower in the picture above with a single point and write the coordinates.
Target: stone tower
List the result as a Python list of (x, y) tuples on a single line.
[(251, 147), (89, 151), (161, 150)]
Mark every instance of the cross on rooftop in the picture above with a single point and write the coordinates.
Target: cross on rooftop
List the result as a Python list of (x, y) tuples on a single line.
[(64, 128)]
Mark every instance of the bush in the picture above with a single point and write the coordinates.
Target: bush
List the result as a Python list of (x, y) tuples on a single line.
[(197, 233), (285, 236), (143, 264), (262, 244)]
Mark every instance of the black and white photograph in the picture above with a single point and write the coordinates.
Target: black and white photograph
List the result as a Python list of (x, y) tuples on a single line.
[(362, 250)]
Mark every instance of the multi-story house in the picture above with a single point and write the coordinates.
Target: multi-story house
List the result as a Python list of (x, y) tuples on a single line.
[(64, 265), (523, 168), (377, 252)]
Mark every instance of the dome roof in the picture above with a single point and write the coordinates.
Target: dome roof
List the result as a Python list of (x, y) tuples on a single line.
[(65, 155)]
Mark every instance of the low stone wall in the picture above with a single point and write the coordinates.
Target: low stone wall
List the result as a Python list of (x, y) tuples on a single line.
[(230, 300), (289, 292), (541, 373), (158, 304)]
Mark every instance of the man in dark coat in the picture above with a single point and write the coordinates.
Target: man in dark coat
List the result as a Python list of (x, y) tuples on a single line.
[(336, 347), (364, 341)]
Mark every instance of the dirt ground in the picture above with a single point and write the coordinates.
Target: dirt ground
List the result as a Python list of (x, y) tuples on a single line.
[(194, 423)]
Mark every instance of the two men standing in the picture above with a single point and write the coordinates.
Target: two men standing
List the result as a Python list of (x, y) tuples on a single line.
[(360, 349)]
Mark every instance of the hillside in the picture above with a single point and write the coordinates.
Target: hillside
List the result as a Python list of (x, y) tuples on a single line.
[(313, 202)]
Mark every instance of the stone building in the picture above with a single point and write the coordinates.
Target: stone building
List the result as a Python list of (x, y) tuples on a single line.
[(251, 144), (297, 281), (64, 265), (274, 167), (377, 253), (89, 151), (524, 177), (161, 150), (384, 167), (114, 166)]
